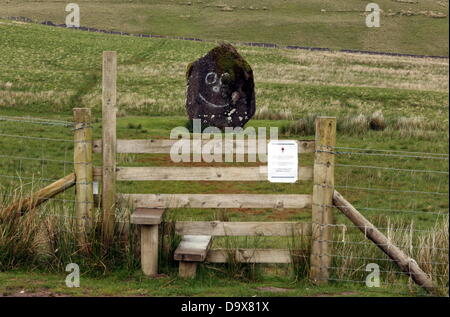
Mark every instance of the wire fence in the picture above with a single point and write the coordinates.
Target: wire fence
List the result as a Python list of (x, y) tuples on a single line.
[(402, 193), (35, 153)]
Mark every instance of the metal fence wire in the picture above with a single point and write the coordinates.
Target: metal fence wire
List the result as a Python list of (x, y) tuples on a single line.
[(405, 195)]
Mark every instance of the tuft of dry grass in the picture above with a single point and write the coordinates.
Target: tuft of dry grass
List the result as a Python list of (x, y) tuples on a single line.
[(303, 126), (376, 121), (47, 237), (426, 247), (361, 124), (265, 113)]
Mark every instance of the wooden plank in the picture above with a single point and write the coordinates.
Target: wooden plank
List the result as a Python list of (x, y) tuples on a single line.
[(147, 216), (149, 249), (405, 263), (218, 200), (187, 269), (322, 212), (193, 248), (109, 145), (199, 173), (217, 228), (249, 256), (163, 146), (21, 206), (82, 157)]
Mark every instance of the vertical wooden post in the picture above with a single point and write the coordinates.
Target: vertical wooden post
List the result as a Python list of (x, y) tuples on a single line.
[(84, 199), (322, 199), (187, 269), (149, 249), (109, 145)]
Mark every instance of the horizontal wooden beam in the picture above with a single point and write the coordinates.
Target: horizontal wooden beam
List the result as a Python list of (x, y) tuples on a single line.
[(160, 146), (218, 200), (41, 196), (193, 248), (258, 173), (406, 264), (218, 228), (253, 255)]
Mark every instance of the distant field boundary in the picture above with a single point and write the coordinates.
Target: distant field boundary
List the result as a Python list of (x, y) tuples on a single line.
[(256, 44)]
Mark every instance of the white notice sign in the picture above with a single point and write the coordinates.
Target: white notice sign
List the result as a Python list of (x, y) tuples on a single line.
[(282, 161)]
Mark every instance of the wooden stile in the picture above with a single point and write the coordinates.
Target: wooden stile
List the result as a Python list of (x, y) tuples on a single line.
[(197, 236), (322, 199), (109, 145)]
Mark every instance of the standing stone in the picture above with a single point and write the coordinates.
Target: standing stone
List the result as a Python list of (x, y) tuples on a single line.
[(220, 89)]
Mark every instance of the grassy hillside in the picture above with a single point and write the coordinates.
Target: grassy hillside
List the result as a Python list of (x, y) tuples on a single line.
[(46, 69), (45, 72), (417, 28)]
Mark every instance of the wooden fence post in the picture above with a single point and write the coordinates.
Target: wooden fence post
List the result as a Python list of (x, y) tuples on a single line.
[(84, 199), (406, 264), (322, 199), (109, 145)]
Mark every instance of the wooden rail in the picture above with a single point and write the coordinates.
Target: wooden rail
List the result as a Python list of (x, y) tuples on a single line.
[(280, 256), (163, 146), (404, 262), (305, 173), (218, 200), (217, 228), (26, 204)]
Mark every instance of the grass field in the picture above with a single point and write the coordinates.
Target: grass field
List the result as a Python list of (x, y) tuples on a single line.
[(416, 28), (47, 71)]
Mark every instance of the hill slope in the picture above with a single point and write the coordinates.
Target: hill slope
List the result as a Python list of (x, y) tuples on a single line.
[(52, 70), (415, 28)]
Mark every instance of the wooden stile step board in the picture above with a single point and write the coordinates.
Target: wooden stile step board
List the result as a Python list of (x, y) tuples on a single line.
[(149, 220), (147, 216), (192, 250)]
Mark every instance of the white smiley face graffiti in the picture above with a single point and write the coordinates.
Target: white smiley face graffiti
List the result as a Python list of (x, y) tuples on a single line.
[(218, 85)]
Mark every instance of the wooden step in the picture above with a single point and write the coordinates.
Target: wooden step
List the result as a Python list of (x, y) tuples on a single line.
[(149, 220), (192, 250), (147, 216)]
